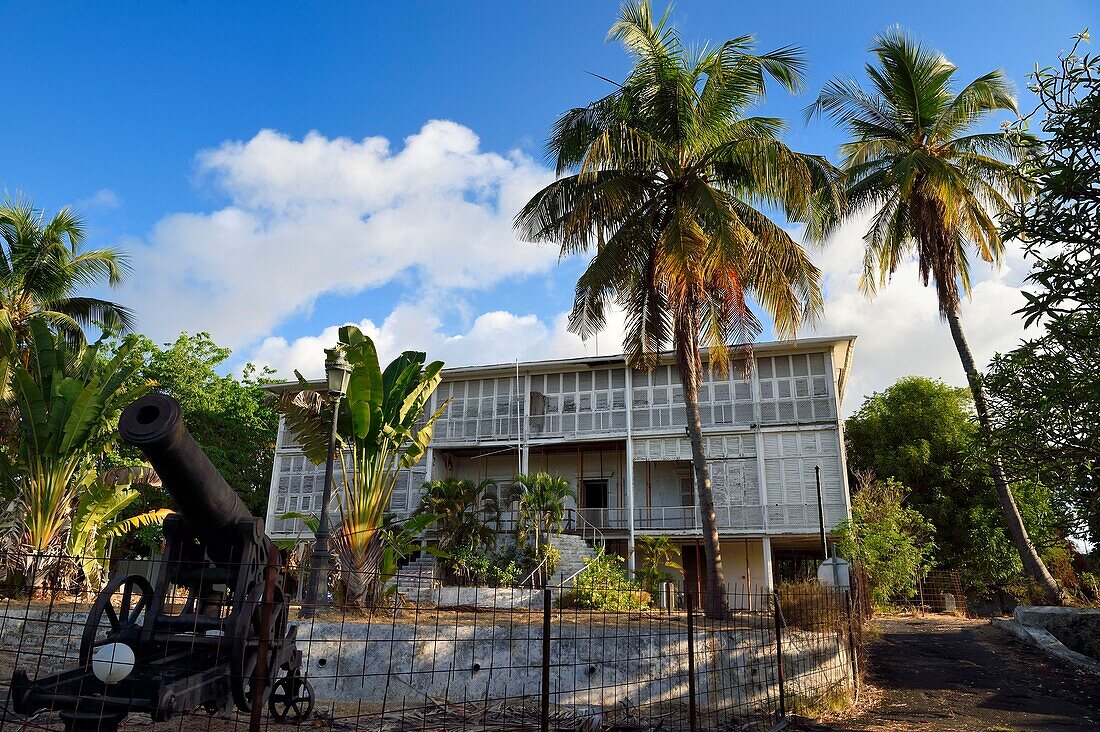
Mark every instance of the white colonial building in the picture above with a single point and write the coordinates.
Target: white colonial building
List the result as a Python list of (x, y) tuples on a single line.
[(773, 440)]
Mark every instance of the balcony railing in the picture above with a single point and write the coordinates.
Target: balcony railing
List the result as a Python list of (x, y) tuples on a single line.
[(781, 517)]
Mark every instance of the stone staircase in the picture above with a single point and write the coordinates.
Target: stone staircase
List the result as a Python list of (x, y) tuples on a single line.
[(419, 574), (574, 550), (40, 639)]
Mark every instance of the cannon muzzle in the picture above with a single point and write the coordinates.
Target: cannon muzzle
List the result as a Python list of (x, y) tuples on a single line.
[(154, 424)]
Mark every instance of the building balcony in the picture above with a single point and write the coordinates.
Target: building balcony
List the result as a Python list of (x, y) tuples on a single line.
[(781, 518)]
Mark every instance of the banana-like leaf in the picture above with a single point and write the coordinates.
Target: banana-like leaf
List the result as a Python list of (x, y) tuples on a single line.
[(149, 518)]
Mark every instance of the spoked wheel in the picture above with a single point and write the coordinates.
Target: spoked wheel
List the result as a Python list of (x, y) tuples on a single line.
[(117, 615), (246, 645), (291, 699)]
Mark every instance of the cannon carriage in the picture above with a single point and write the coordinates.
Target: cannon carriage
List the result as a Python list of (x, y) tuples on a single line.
[(194, 637)]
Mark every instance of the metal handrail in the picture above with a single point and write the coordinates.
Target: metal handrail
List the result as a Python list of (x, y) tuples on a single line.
[(530, 577), (587, 528)]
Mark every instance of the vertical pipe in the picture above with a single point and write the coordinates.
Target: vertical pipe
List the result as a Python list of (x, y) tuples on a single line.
[(779, 654), (629, 383), (769, 569), (544, 710), (821, 513), (691, 660)]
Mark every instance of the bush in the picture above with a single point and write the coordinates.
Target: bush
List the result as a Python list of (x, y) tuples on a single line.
[(603, 584), (505, 574), (809, 606), (891, 541), (467, 565)]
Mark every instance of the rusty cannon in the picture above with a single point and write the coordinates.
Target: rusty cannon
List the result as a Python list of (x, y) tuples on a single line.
[(210, 629)]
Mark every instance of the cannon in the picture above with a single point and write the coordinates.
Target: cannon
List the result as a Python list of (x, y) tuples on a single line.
[(196, 636)]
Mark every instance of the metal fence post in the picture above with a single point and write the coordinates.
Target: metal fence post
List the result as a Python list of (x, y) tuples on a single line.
[(852, 646), (544, 711), (691, 660), (260, 680), (779, 654)]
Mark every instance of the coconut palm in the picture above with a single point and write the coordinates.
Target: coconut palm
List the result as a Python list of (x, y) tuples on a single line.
[(43, 265), (665, 181), (934, 185)]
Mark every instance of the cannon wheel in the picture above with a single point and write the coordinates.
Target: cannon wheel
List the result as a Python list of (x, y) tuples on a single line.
[(123, 622), (291, 698), (245, 642)]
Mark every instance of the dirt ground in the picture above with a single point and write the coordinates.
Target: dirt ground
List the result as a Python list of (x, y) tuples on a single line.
[(937, 674)]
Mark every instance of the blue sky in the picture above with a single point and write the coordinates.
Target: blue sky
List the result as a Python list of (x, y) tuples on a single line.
[(111, 107)]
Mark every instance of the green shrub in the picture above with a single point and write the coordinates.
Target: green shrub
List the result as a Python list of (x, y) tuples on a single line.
[(603, 584), (467, 564), (893, 543), (505, 574)]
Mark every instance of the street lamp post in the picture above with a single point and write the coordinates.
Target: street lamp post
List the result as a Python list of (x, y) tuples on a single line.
[(338, 372)]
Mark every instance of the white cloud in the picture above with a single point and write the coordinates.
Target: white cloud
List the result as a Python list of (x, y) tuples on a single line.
[(493, 337), (318, 215), (900, 332), (102, 200)]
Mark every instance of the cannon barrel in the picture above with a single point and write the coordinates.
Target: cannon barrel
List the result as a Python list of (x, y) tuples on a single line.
[(154, 424)]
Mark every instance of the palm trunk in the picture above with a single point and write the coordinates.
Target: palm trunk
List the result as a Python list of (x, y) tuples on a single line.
[(1033, 564), (690, 365)]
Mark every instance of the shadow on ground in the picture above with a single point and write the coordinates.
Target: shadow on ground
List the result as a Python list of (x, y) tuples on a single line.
[(941, 674)]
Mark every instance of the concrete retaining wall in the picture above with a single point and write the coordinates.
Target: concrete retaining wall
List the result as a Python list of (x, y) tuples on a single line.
[(623, 660)]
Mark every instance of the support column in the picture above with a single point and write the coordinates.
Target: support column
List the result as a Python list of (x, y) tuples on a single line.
[(769, 579), (629, 471)]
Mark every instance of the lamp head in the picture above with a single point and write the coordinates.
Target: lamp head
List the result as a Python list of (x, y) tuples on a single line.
[(337, 371)]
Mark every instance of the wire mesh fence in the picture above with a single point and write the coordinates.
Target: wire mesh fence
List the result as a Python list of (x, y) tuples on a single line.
[(183, 643), (937, 591)]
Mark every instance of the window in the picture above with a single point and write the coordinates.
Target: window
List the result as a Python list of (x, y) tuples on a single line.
[(795, 388), (480, 409), (579, 402), (687, 491)]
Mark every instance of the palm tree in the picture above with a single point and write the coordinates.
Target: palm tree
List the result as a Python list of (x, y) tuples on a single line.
[(540, 502), (43, 265), (464, 512), (665, 181), (935, 188)]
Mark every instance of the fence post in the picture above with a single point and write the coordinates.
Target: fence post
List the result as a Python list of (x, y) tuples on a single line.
[(544, 712), (691, 659), (260, 678), (779, 654), (852, 646)]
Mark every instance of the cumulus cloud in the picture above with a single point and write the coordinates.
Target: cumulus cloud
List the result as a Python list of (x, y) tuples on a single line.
[(493, 337), (318, 215), (900, 332)]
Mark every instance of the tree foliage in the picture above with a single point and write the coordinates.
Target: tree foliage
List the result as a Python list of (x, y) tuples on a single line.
[(66, 399), (466, 513), (43, 264), (1045, 394), (540, 503), (893, 542), (669, 182), (921, 433), (232, 419), (935, 185)]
